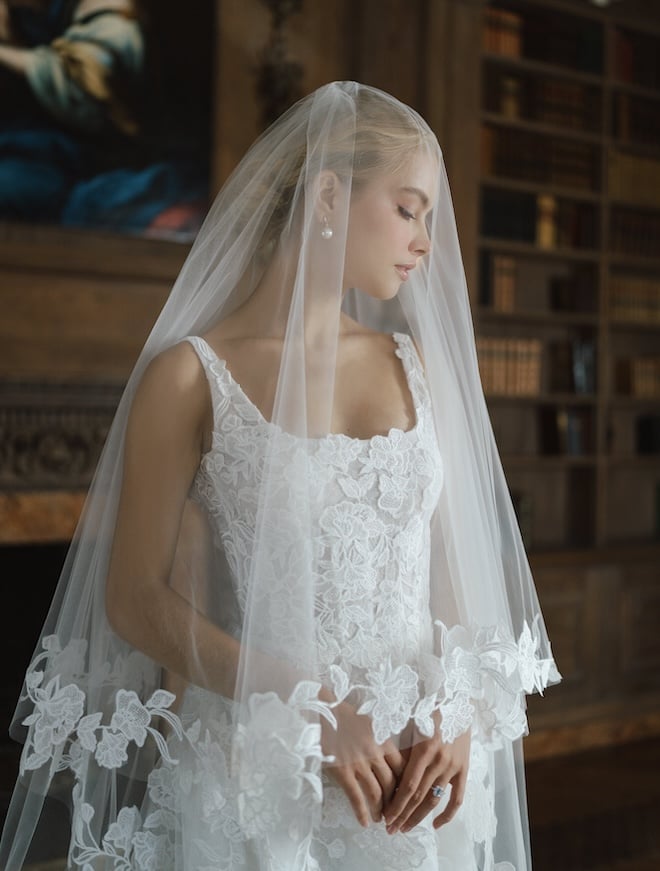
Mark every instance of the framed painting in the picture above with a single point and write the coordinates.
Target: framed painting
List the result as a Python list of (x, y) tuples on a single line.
[(106, 114)]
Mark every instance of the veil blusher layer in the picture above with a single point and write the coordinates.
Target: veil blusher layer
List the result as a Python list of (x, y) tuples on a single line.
[(102, 728)]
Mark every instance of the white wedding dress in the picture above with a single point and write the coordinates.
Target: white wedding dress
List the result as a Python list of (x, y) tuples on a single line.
[(371, 519), (378, 648)]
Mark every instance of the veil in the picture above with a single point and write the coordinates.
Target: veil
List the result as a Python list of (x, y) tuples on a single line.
[(184, 728)]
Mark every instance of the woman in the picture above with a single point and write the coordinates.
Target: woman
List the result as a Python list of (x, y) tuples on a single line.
[(298, 625)]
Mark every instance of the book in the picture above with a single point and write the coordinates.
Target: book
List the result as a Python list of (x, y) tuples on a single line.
[(565, 431), (564, 104), (510, 366), (560, 366), (633, 179), (510, 96), (639, 376), (502, 32), (576, 292), (623, 56), (636, 120), (546, 221), (564, 41), (635, 233), (503, 283), (634, 298), (572, 366), (636, 58), (584, 366), (526, 156)]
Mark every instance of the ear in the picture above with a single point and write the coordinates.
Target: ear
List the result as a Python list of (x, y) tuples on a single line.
[(327, 193)]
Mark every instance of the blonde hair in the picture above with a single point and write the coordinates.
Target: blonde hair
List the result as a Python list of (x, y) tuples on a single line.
[(369, 134)]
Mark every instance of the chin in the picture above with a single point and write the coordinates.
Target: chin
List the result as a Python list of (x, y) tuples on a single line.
[(383, 293), (394, 292)]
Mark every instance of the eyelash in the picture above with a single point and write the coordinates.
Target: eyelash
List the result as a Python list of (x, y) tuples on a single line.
[(406, 214)]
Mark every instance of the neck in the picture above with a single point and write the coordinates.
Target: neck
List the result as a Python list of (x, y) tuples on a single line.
[(268, 309)]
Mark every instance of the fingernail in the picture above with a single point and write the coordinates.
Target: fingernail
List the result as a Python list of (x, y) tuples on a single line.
[(405, 829)]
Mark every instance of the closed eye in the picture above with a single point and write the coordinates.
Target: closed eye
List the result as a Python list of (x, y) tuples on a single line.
[(406, 214)]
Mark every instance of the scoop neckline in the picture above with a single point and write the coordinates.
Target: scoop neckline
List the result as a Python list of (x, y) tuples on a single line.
[(331, 436)]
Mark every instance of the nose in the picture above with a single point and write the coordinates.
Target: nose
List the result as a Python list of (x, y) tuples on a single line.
[(421, 244)]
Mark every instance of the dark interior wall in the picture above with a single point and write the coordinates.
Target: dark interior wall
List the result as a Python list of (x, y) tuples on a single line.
[(29, 574)]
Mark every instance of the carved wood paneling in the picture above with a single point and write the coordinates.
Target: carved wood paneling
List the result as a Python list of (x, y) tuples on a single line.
[(51, 434)]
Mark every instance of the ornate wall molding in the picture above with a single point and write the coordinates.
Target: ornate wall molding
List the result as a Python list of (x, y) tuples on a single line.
[(51, 434)]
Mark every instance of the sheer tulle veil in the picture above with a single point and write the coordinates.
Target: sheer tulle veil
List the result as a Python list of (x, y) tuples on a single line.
[(142, 764)]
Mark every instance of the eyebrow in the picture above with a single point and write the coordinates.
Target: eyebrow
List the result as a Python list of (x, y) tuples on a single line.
[(417, 192)]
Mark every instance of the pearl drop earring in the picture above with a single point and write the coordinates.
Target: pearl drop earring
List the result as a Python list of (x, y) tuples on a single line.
[(326, 231)]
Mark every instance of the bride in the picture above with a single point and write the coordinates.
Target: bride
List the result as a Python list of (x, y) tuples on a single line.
[(297, 624)]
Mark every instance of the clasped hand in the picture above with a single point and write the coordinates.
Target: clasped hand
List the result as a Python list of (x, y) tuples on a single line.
[(382, 781)]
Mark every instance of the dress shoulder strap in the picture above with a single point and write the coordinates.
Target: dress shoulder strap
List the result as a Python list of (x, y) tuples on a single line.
[(226, 394), (216, 374), (412, 365)]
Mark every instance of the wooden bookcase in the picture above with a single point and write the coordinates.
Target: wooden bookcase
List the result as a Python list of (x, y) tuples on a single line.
[(568, 264)]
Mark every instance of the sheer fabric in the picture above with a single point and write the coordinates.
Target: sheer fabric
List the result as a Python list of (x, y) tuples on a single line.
[(380, 568)]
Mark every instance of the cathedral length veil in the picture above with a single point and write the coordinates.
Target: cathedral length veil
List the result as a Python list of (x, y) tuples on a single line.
[(130, 753)]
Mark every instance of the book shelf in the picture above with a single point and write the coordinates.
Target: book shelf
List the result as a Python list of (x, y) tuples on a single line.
[(568, 309)]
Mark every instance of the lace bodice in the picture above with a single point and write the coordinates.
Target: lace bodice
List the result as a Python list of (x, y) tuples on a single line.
[(372, 500)]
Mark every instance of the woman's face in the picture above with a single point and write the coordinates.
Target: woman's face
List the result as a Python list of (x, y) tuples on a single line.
[(387, 228)]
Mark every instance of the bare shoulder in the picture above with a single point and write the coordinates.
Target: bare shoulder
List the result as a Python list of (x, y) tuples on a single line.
[(173, 389), (177, 369)]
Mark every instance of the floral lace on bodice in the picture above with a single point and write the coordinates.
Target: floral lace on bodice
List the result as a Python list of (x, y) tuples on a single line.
[(371, 502)]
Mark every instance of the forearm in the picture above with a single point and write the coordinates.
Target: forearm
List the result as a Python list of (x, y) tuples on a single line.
[(15, 59), (166, 627)]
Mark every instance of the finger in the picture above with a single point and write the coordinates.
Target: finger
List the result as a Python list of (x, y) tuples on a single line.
[(386, 778), (426, 807), (455, 800), (396, 760), (423, 796), (408, 790), (354, 794), (372, 791)]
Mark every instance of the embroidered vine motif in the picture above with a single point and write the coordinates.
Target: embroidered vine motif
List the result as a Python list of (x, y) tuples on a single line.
[(480, 680), (129, 842), (60, 732)]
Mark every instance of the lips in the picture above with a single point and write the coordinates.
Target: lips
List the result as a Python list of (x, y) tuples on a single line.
[(404, 270)]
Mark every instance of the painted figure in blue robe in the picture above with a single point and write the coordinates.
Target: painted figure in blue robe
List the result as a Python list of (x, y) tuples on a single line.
[(78, 143)]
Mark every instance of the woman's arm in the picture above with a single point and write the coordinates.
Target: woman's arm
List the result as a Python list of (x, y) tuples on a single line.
[(15, 59), (170, 415)]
